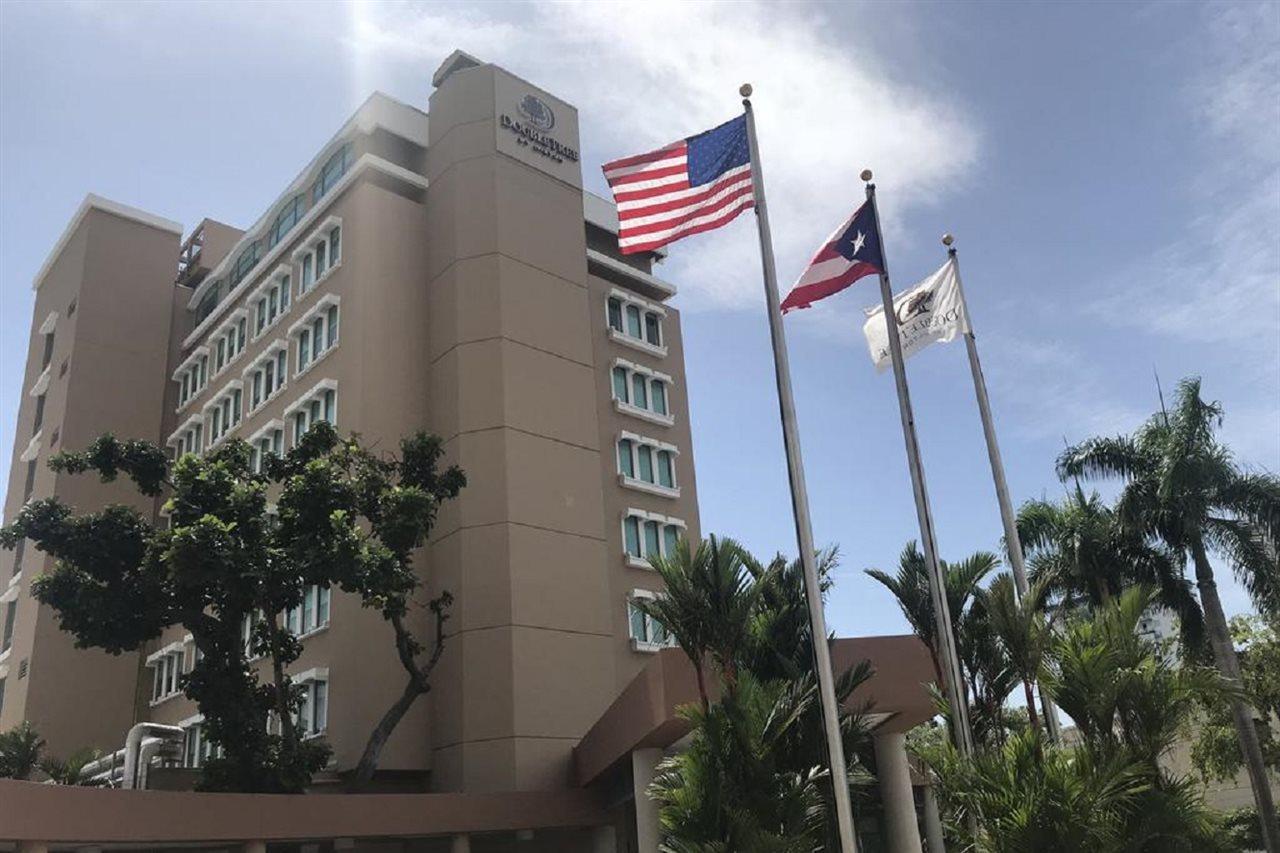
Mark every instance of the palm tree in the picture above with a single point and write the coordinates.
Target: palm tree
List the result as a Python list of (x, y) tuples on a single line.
[(1184, 489), (69, 771), (1086, 558), (20, 750), (1023, 632), (911, 587), (707, 606)]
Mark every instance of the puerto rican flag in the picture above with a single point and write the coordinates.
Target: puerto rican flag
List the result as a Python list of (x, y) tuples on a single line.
[(852, 252), (690, 186)]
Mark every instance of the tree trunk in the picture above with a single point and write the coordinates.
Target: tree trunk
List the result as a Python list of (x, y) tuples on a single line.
[(1031, 705), (378, 737), (702, 688), (287, 732), (1224, 654)]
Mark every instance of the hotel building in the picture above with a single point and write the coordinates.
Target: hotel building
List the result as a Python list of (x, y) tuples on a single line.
[(439, 270)]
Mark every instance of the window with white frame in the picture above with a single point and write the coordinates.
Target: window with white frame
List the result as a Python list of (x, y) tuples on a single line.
[(189, 438), (192, 375), (268, 441), (229, 340), (319, 254), (635, 322), (311, 614), (198, 748), (647, 464), (641, 392), (648, 534), (167, 669), (267, 375), (315, 334), (318, 404), (247, 625), (225, 411), (312, 716), (647, 634), (270, 301)]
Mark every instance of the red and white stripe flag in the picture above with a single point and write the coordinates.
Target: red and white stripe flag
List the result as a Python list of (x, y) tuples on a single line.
[(691, 186)]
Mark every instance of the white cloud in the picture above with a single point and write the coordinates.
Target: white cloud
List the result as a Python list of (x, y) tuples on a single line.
[(825, 109)]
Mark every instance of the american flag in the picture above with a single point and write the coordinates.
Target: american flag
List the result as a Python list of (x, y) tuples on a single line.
[(688, 187)]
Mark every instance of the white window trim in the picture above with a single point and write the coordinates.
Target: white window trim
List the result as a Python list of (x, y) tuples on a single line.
[(322, 306), (189, 423), (33, 448), (260, 292), (241, 313), (282, 384), (316, 673), (42, 381), (645, 646), (644, 305), (314, 391), (215, 402), (642, 562), (11, 591), (308, 245), (191, 362), (627, 408), (50, 323), (640, 485), (265, 430), (153, 661)]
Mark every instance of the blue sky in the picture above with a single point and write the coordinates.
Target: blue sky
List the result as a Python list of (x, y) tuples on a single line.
[(1111, 171)]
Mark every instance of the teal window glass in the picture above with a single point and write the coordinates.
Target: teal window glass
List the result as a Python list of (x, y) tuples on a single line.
[(620, 384), (637, 622), (331, 406), (659, 396), (666, 475), (639, 391), (670, 536), (626, 465), (307, 276), (652, 331), (651, 542), (304, 349), (321, 264), (645, 454), (615, 313), (335, 246), (633, 321), (333, 326), (317, 337), (631, 535)]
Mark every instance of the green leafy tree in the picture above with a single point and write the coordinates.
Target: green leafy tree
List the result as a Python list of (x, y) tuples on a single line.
[(70, 770), (1216, 752), (20, 750), (343, 518), (1184, 489), (1085, 557), (1022, 631)]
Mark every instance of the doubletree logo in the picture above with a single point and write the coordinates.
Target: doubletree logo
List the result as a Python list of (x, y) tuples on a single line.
[(537, 112), (921, 303)]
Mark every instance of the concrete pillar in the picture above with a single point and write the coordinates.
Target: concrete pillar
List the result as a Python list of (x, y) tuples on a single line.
[(460, 844), (933, 821), (895, 793), (604, 840), (644, 763)]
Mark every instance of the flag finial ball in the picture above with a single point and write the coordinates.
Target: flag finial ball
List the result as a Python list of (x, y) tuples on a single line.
[(947, 239), (866, 174), (745, 90)]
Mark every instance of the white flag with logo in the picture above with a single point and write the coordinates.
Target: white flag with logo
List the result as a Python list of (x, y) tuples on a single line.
[(931, 311)]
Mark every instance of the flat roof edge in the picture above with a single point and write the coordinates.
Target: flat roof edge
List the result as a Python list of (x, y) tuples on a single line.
[(106, 205)]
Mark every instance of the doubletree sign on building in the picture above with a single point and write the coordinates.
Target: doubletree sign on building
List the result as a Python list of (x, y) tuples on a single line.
[(537, 129)]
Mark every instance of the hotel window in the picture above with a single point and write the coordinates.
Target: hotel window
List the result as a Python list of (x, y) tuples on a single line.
[(198, 748), (271, 300), (48, 351), (647, 464), (30, 484), (166, 668), (39, 419), (19, 551), (647, 634), (10, 614), (316, 333), (229, 340), (332, 171), (647, 534), (319, 254), (192, 375), (189, 438), (245, 261), (312, 716), (268, 441), (268, 374), (224, 411), (635, 322), (642, 392), (318, 404), (311, 614), (286, 219)]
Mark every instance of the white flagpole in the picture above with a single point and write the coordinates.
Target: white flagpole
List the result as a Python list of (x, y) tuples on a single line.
[(928, 538), (800, 501), (1012, 541)]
